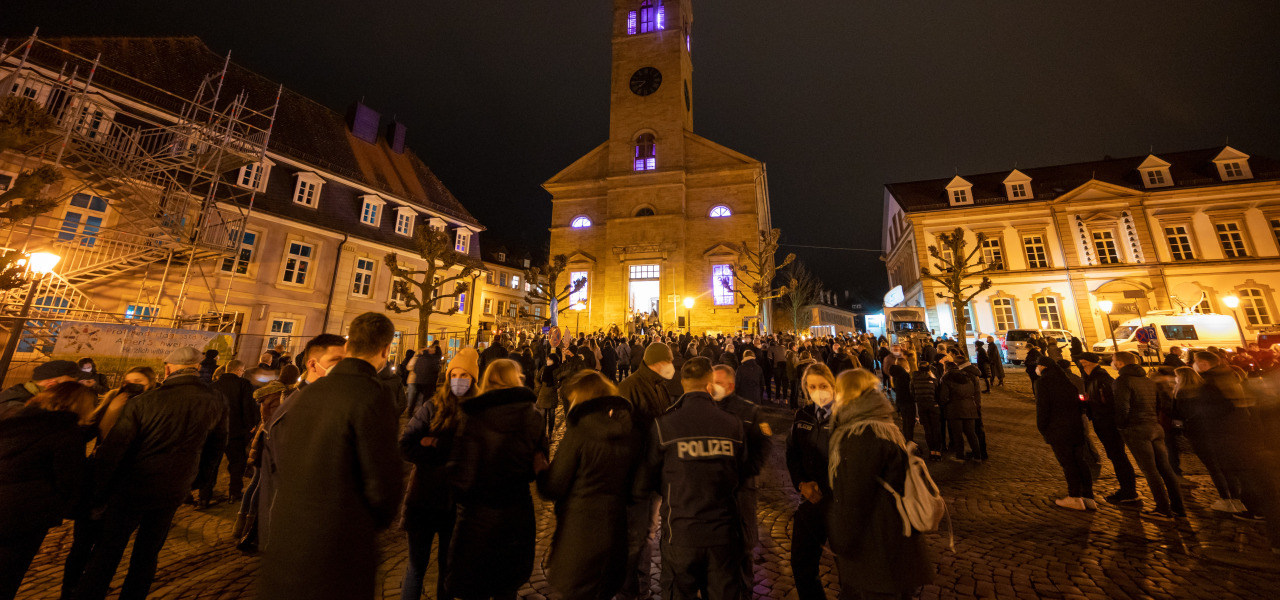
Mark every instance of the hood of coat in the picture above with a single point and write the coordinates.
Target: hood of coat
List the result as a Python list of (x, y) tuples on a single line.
[(1132, 371), (609, 416), (505, 408), (956, 377), (22, 431), (1225, 379)]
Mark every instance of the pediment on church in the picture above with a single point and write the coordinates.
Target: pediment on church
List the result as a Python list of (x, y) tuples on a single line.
[(720, 249), (1097, 190), (703, 154), (580, 257), (593, 166)]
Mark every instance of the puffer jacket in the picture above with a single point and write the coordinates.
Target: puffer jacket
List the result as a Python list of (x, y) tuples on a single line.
[(924, 389), (959, 394), (1136, 398)]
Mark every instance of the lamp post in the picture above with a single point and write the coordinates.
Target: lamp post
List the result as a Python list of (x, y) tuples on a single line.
[(688, 317), (1105, 306), (1233, 303), (38, 264), (578, 307)]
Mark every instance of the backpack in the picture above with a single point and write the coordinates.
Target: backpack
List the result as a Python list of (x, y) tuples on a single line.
[(921, 504)]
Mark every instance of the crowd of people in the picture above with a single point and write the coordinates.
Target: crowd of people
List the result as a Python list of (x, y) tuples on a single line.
[(657, 428)]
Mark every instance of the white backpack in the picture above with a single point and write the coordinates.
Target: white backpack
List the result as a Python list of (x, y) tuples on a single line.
[(921, 504)]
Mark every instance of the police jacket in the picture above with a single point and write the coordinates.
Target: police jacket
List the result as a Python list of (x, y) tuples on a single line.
[(808, 448), (697, 461)]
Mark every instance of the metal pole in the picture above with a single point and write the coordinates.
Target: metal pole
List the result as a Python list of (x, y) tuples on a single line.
[(1235, 315), (19, 324)]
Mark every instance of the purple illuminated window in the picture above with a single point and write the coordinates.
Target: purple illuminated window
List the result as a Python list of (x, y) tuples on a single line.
[(662, 17), (721, 275), (647, 17), (631, 23), (646, 153)]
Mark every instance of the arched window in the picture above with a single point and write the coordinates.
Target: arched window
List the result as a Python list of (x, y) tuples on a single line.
[(580, 222), (646, 153), (644, 212), (720, 210)]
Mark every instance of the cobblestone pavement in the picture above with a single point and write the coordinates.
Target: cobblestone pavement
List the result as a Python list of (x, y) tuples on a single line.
[(1010, 540)]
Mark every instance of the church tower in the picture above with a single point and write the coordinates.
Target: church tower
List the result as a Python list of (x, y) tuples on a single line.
[(654, 215)]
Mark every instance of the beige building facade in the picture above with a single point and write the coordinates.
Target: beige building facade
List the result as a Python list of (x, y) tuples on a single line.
[(1174, 231), (656, 213)]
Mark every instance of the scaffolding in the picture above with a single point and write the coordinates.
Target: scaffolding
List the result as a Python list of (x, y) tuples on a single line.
[(160, 161)]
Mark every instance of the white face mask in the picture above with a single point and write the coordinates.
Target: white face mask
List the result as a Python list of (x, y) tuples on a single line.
[(718, 392), (87, 368), (323, 369), (822, 398), (667, 370)]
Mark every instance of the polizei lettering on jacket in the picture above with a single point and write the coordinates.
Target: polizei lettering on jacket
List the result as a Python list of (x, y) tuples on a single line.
[(704, 448)]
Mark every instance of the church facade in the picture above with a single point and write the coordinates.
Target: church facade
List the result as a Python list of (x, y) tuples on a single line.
[(654, 215)]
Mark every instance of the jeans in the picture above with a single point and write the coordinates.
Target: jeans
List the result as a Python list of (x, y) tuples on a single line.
[(1075, 468), (416, 395), (808, 534), (640, 519), (715, 571), (437, 525), (909, 413), (1146, 442), (1113, 445), (781, 380), (931, 421), (237, 461), (1229, 488), (119, 522), (966, 427)]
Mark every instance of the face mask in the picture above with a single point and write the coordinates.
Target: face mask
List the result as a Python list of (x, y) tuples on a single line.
[(459, 385), (131, 389), (323, 369), (87, 368), (823, 398), (718, 392), (667, 370)]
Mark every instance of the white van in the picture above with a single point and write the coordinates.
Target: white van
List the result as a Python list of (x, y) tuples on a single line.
[(1015, 342), (1186, 330)]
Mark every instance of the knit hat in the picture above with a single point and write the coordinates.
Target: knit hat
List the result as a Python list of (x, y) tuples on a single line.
[(55, 368), (1089, 357), (657, 352), (185, 355), (272, 387), (468, 360)]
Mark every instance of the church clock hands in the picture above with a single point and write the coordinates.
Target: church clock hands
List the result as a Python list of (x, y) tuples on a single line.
[(645, 81)]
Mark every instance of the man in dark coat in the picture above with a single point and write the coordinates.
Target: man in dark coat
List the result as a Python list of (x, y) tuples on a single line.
[(45, 376), (758, 433), (496, 350), (423, 377), (1174, 358), (608, 359), (1058, 411), (750, 378), (144, 470), (807, 451), (697, 459), (959, 397), (1099, 392), (242, 417), (339, 476)]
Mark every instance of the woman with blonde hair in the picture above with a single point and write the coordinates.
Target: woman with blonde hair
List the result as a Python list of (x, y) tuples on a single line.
[(807, 462), (873, 557), (500, 446)]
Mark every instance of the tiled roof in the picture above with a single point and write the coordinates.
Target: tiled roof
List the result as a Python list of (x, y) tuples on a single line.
[(305, 130), (1190, 169)]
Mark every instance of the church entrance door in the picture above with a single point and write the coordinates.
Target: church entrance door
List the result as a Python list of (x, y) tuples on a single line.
[(643, 290)]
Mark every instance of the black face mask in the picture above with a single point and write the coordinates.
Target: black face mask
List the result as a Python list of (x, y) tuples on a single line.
[(132, 389)]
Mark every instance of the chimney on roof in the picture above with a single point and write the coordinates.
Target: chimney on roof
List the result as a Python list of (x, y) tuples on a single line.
[(395, 136), (363, 122)]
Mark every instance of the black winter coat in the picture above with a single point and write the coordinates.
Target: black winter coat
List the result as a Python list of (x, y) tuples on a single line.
[(42, 469), (429, 492), (750, 381), (490, 471), (590, 482), (901, 379), (494, 352), (808, 448), (647, 392), (863, 523), (150, 457), (924, 390), (1099, 391), (1058, 409), (338, 480), (426, 371), (242, 410), (1136, 397), (958, 393)]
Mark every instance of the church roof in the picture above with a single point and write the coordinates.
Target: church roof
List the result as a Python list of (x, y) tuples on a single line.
[(1189, 169)]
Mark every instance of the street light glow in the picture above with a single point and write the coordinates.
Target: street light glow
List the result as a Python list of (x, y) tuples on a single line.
[(688, 301), (42, 262), (1105, 306), (1044, 324), (1231, 301), (579, 306)]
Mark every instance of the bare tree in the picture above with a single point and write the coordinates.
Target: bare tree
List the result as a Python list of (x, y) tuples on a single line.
[(22, 121), (802, 289), (954, 267), (545, 290), (424, 289), (755, 271)]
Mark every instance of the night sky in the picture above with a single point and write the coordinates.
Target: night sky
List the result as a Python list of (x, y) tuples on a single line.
[(838, 97)]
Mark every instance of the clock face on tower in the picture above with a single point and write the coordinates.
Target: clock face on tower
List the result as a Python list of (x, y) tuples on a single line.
[(646, 81)]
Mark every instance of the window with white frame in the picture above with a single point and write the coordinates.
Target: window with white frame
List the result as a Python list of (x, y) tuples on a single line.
[(1254, 304), (363, 280), (464, 238), (83, 220), (502, 308), (141, 312), (396, 295), (1037, 255), (503, 279), (240, 263), (580, 222), (1155, 177), (281, 334), (253, 176), (1232, 170), (582, 294), (371, 212), (722, 282), (308, 190), (1017, 191), (992, 253), (488, 277), (1002, 314), (1179, 242), (488, 306), (515, 282), (1203, 308), (1104, 244), (404, 221), (1232, 239), (969, 324), (720, 211), (297, 262), (1047, 310), (959, 196)]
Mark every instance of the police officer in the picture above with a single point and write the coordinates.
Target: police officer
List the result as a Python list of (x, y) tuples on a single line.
[(758, 446), (807, 461), (698, 461)]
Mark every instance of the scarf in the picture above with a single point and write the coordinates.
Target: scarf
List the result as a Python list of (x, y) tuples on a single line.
[(869, 412)]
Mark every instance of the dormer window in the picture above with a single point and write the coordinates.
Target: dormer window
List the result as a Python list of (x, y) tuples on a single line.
[(307, 192), (502, 257), (580, 222), (720, 211), (435, 223), (371, 211), (254, 176), (646, 153), (1155, 173), (1017, 186), (462, 241), (405, 217), (1232, 164), (959, 192)]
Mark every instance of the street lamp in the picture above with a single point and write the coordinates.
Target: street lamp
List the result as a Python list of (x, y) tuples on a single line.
[(688, 318), (1233, 303), (1105, 306), (38, 264), (578, 307)]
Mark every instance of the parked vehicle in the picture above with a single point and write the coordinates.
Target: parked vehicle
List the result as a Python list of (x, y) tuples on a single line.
[(1015, 342), (905, 322), (1189, 330)]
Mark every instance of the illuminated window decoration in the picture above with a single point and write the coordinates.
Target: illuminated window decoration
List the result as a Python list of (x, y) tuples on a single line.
[(652, 18), (580, 222), (722, 283), (631, 23), (720, 210), (646, 153), (580, 295)]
